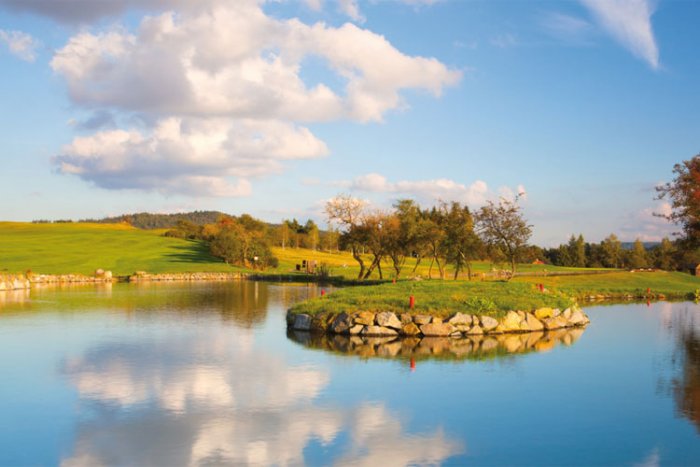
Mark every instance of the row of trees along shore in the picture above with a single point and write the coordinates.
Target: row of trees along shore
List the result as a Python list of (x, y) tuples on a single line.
[(448, 233)]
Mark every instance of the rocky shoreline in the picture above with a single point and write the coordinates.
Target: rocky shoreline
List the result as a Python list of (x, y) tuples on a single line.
[(388, 324)]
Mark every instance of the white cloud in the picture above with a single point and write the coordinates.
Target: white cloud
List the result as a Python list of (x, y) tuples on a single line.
[(629, 23), (351, 9), (20, 44), (188, 156), (223, 83), (428, 190), (238, 62)]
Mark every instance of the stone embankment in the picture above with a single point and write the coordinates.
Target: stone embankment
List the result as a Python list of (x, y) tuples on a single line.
[(22, 281), (13, 282), (387, 324), (469, 347), (141, 276)]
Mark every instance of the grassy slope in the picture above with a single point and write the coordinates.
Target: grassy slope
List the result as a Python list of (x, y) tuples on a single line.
[(671, 284), (82, 248), (436, 297)]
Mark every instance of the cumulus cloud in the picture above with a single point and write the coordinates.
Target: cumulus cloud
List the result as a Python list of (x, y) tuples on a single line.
[(429, 190), (236, 61), (188, 156), (226, 78), (20, 44), (629, 23)]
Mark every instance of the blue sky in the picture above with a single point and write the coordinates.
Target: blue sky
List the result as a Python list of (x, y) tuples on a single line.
[(274, 107)]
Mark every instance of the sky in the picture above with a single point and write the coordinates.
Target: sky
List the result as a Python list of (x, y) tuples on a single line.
[(273, 107)]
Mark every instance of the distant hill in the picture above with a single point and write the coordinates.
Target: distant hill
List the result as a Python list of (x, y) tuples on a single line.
[(647, 245), (150, 221)]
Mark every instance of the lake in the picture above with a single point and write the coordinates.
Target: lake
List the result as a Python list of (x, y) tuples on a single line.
[(195, 374)]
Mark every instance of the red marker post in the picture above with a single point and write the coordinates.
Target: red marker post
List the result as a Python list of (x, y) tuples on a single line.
[(411, 302), (323, 292), (413, 364)]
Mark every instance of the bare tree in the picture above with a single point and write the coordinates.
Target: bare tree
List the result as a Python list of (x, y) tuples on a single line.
[(503, 228), (348, 212)]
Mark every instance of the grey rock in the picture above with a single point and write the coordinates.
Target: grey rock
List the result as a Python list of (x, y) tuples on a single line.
[(388, 320), (437, 329), (460, 318), (302, 322), (488, 323)]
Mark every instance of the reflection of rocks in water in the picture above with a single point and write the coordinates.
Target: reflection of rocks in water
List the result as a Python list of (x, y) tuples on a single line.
[(14, 297), (686, 389), (472, 347)]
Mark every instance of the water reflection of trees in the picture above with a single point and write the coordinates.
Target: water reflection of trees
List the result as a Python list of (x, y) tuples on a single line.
[(468, 348), (686, 387)]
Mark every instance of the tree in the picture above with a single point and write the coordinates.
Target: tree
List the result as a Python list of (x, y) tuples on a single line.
[(461, 243), (578, 252), (664, 255), (503, 228), (611, 252), (684, 195), (312, 234), (638, 257), (348, 212)]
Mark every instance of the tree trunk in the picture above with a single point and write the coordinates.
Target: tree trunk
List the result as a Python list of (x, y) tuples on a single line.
[(418, 258), (358, 258)]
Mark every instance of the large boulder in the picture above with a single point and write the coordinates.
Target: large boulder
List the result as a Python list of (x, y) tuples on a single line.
[(578, 318), (364, 317), (302, 322), (488, 323), (460, 319), (533, 324), (342, 324), (511, 322), (388, 320), (437, 329), (543, 313), (421, 319), (410, 329)]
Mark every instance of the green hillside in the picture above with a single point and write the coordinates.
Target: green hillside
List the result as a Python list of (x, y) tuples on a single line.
[(83, 248)]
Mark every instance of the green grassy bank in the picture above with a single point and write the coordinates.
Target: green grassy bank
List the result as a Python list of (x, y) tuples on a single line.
[(83, 248), (437, 298)]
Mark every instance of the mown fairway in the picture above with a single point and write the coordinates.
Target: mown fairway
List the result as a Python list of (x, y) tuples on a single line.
[(83, 248)]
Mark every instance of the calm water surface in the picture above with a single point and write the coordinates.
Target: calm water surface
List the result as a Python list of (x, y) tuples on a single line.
[(206, 374)]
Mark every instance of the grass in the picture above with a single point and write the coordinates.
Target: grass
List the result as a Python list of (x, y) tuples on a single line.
[(439, 298), (74, 248), (618, 284)]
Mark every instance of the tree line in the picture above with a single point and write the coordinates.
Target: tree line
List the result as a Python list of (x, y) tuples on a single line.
[(448, 233), (611, 253)]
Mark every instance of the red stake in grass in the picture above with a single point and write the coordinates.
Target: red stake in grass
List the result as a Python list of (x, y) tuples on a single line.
[(411, 302), (323, 292)]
